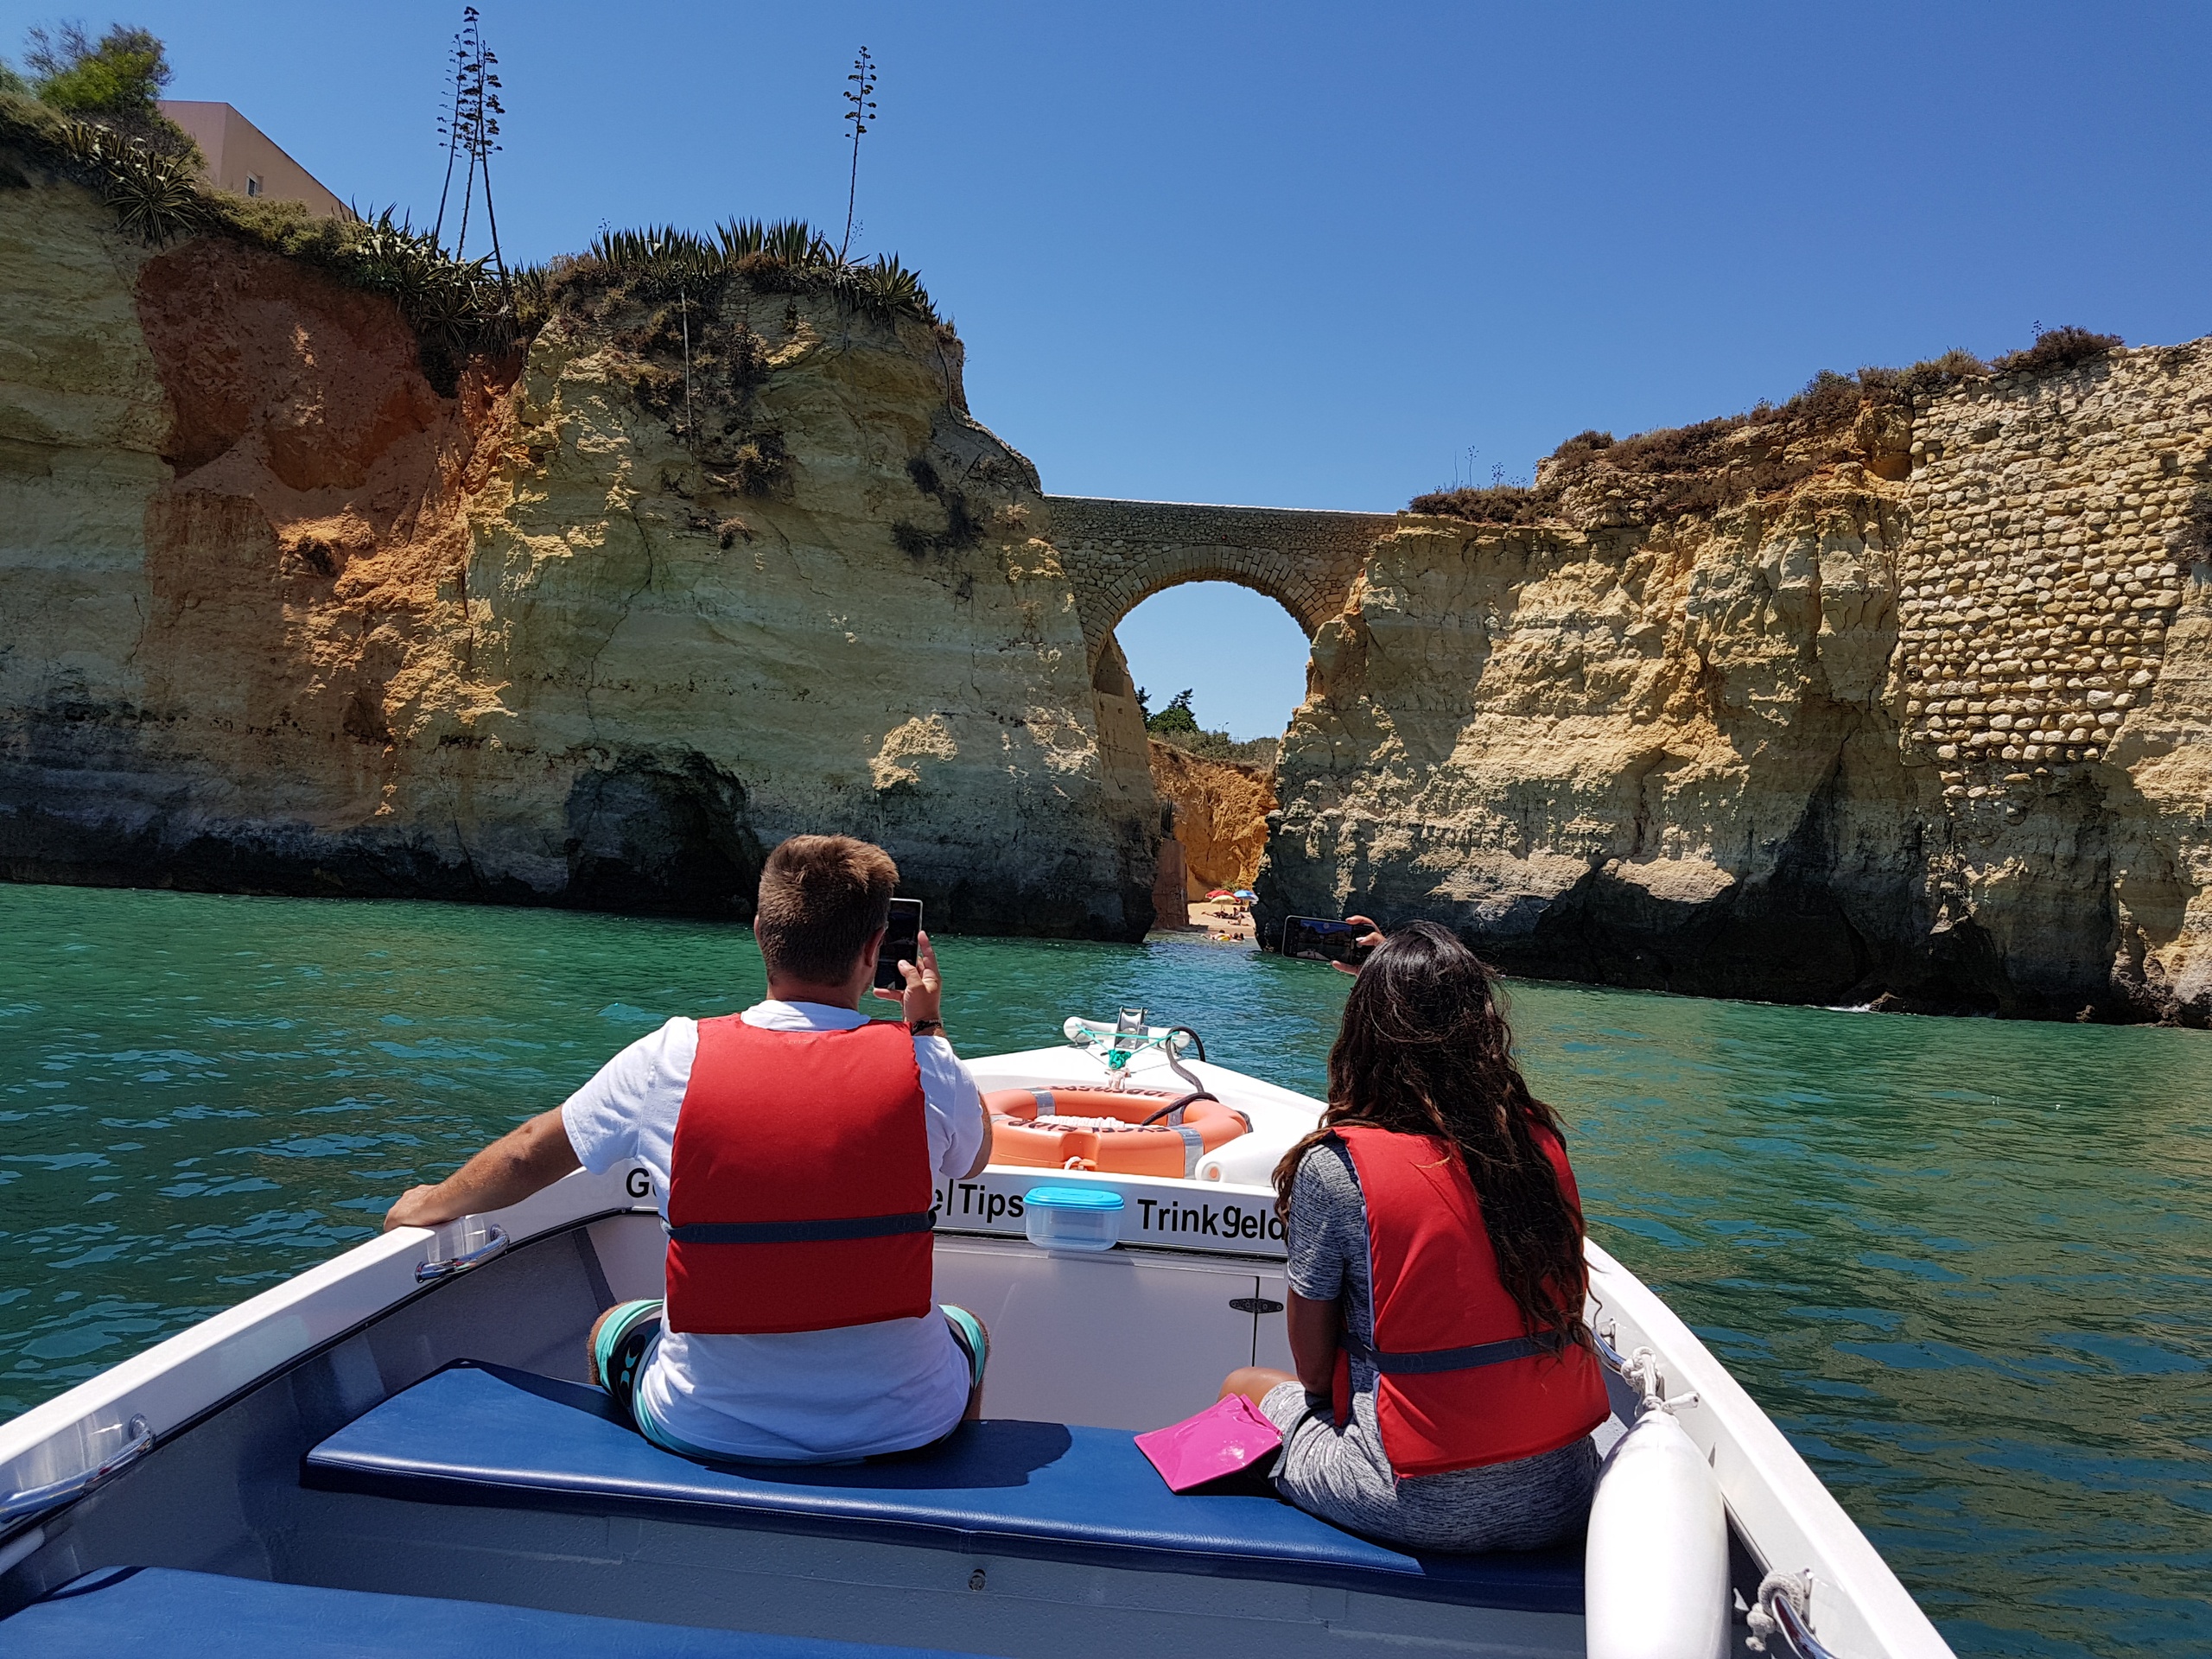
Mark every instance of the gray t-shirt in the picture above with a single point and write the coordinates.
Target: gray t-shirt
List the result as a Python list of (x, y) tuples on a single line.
[(1328, 1234), (1343, 1474)]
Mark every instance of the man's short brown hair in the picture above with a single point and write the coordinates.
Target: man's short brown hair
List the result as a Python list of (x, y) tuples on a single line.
[(821, 896)]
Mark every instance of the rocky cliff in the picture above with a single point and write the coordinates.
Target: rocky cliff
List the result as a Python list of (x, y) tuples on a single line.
[(1896, 698), (279, 614), (1923, 723)]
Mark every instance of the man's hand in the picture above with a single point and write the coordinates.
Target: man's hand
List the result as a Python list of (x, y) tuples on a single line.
[(526, 1161), (418, 1206), (1369, 939), (920, 998)]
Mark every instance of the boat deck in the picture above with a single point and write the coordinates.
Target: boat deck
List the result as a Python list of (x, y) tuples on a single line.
[(452, 1450)]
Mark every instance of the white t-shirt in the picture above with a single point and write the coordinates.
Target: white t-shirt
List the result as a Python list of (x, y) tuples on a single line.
[(801, 1395)]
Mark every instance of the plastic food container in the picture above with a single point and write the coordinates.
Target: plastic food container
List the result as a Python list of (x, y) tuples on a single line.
[(1077, 1218)]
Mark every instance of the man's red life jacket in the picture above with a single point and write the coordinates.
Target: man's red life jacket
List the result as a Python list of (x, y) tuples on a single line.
[(1461, 1383), (799, 1194)]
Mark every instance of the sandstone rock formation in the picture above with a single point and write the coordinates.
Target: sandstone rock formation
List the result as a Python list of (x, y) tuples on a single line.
[(1221, 815), (276, 615), (1931, 741), (1912, 714)]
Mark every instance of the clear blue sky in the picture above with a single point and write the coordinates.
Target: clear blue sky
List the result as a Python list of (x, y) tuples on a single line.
[(1310, 257)]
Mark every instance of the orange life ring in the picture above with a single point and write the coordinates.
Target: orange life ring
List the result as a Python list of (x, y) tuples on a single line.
[(1033, 1128)]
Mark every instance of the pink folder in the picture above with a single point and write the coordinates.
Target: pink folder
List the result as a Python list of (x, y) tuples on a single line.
[(1228, 1436)]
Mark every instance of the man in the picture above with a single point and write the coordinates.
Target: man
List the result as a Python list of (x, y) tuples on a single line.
[(792, 1150)]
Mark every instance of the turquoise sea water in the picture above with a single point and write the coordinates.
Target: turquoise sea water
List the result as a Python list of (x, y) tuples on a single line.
[(1967, 1266)]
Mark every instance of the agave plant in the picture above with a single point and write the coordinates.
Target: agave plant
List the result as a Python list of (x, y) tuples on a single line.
[(792, 244), (682, 261), (739, 238), (156, 197), (887, 288)]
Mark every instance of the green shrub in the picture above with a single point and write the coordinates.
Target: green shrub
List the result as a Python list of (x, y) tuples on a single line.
[(1219, 745), (2055, 349), (115, 82)]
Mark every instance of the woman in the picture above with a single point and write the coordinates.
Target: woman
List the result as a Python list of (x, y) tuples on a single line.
[(1446, 1386)]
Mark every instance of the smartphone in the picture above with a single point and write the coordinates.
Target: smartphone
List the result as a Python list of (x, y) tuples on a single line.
[(902, 939), (1317, 940)]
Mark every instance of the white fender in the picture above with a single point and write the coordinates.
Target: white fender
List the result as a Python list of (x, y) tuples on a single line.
[(1655, 1572)]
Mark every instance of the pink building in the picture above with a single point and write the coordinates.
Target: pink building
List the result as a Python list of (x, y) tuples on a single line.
[(245, 161)]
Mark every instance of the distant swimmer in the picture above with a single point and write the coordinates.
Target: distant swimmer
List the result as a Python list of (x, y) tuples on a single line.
[(1446, 1385)]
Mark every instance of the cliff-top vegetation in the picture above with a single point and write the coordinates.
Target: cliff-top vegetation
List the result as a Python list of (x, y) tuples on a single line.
[(1177, 725), (114, 82), (89, 113), (1657, 475)]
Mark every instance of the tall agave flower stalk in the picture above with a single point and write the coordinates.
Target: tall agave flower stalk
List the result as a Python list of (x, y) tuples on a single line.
[(860, 95), (472, 129)]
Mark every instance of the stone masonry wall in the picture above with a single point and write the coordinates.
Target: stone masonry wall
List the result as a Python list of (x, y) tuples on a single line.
[(2046, 562)]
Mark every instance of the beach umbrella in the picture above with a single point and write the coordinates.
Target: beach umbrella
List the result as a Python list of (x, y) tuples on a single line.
[(1248, 895), (1221, 893)]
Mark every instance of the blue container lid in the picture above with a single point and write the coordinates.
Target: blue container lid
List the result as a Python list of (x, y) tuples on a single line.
[(1073, 1197)]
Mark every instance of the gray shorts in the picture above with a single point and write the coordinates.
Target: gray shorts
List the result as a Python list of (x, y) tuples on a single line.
[(1343, 1477)]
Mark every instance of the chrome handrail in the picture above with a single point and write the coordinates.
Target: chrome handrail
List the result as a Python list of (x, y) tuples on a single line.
[(428, 1272), (1780, 1609), (34, 1500)]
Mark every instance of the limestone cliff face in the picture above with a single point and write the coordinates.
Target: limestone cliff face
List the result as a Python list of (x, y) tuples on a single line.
[(1932, 741), (278, 616), (1919, 722), (1221, 815)]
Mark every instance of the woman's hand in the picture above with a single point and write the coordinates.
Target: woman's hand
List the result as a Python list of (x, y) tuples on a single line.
[(1368, 940), (920, 999)]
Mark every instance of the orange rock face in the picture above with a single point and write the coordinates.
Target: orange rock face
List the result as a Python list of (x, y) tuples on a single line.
[(1221, 815), (314, 525)]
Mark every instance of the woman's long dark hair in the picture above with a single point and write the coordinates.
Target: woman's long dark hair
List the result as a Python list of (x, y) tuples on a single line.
[(1425, 1050)]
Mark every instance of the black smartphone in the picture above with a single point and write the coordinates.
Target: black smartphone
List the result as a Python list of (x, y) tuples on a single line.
[(902, 939), (1318, 940)]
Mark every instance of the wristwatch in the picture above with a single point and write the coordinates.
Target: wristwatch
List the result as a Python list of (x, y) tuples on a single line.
[(925, 1028)]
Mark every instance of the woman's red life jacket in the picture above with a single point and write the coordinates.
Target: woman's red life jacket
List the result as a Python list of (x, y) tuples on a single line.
[(1461, 1383), (799, 1192)]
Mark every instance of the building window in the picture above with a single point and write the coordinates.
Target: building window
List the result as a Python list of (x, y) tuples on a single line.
[(252, 184)]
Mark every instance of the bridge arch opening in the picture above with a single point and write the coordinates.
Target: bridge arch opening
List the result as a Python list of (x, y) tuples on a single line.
[(1238, 651), (1219, 667)]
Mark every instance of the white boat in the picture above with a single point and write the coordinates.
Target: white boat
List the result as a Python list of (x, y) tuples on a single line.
[(396, 1452)]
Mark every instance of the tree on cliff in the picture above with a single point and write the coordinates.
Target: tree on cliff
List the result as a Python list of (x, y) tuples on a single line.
[(115, 82), (1175, 717)]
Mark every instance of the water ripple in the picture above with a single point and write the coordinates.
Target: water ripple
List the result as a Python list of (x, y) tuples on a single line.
[(1966, 1265)]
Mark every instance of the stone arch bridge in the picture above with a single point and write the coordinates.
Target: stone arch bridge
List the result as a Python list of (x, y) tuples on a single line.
[(1118, 554)]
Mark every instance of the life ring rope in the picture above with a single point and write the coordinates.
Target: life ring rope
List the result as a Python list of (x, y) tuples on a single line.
[(1131, 1132)]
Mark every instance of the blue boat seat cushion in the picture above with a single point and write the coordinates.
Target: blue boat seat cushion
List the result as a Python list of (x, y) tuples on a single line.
[(205, 1616), (484, 1434)]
